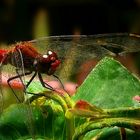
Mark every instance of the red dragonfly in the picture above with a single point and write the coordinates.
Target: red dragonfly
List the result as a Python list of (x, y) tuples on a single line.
[(63, 55), (32, 62), (71, 51)]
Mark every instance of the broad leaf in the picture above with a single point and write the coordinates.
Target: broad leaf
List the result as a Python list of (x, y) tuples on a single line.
[(109, 85), (23, 122)]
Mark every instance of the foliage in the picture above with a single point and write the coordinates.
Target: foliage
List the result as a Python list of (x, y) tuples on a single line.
[(102, 108)]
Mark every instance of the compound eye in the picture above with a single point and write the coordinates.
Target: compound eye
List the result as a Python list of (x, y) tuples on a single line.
[(50, 52), (45, 56)]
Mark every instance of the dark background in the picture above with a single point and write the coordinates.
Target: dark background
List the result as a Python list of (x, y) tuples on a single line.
[(18, 18)]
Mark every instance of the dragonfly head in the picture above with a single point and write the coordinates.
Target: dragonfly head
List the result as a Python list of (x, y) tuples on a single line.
[(51, 60)]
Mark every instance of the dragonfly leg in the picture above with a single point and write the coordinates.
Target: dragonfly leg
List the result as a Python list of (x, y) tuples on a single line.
[(20, 77), (13, 78), (29, 82), (60, 82), (43, 83)]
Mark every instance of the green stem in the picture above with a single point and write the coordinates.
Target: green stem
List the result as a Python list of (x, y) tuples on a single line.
[(130, 112), (52, 96), (68, 100), (69, 125), (66, 103), (58, 99), (69, 117), (108, 122)]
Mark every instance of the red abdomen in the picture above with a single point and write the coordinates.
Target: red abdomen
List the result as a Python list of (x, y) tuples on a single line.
[(3, 56)]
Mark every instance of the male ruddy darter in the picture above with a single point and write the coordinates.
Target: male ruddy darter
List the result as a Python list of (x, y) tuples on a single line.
[(32, 62), (71, 49)]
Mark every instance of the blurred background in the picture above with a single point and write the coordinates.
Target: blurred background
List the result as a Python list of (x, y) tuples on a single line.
[(28, 19), (22, 20)]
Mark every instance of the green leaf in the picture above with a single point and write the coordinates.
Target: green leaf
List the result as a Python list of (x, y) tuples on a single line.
[(83, 108), (109, 85), (110, 134), (104, 134), (24, 122)]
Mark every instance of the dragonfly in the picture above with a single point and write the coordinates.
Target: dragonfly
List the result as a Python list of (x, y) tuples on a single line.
[(60, 57), (44, 55), (31, 60), (63, 54)]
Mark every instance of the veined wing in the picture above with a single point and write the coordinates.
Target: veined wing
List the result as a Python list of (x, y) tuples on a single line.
[(74, 50), (20, 71)]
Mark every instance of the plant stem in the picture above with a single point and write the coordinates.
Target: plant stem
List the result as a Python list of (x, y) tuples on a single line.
[(52, 96), (69, 125), (130, 112), (108, 122)]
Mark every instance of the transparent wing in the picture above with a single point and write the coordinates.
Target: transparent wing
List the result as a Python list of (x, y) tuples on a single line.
[(6, 94), (20, 71), (73, 51)]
